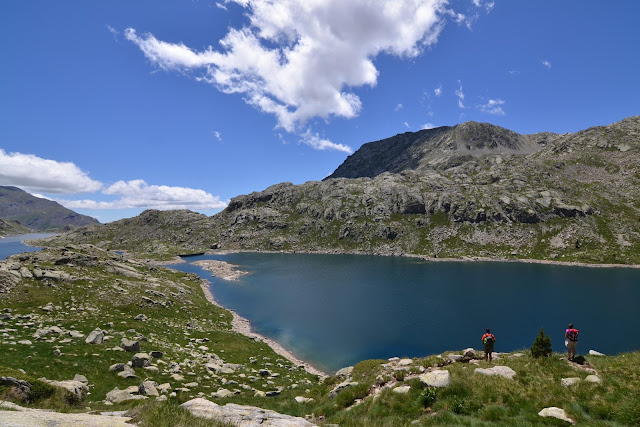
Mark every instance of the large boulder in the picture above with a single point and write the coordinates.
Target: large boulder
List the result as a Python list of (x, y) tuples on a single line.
[(437, 378), (118, 396), (130, 345), (76, 391), (140, 360), (148, 388), (242, 416)]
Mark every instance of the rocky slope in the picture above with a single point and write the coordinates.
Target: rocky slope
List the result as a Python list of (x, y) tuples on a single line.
[(10, 228), (472, 190), (38, 214)]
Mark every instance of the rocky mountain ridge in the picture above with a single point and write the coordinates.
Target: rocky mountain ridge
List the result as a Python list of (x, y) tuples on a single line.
[(38, 214), (472, 190)]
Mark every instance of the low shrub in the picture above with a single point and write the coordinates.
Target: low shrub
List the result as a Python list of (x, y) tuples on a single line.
[(428, 396), (541, 345)]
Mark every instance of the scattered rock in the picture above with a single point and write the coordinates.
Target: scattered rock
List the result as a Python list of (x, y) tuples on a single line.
[(156, 354), (25, 342), (437, 378), (130, 345), (402, 389), (345, 372), (568, 382), (302, 399), (140, 360), (76, 390), (502, 371), (595, 353), (556, 413), (141, 317), (95, 337), (118, 396), (148, 388), (81, 379), (337, 389), (222, 393), (593, 379), (405, 362)]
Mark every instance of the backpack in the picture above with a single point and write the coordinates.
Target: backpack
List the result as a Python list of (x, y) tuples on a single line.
[(572, 335), (488, 339)]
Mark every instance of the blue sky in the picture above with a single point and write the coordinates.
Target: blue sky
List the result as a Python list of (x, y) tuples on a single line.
[(115, 107)]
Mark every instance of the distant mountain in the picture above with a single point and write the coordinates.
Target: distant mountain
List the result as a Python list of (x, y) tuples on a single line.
[(472, 190), (38, 214)]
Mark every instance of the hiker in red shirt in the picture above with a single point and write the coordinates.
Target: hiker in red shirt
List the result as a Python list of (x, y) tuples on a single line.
[(488, 339), (571, 341)]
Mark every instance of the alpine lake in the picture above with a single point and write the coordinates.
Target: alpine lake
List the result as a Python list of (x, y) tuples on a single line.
[(336, 310)]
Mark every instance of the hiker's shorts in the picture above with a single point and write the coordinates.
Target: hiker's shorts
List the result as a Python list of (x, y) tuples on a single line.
[(488, 348), (571, 345)]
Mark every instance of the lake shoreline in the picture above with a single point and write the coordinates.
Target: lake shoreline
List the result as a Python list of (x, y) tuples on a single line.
[(242, 326), (435, 259)]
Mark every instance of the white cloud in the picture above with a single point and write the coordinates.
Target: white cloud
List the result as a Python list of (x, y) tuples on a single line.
[(460, 95), (547, 64), (314, 141), (221, 6), (488, 6), (218, 135), (398, 107), (299, 59), (494, 106), (35, 174), (113, 30), (428, 126), (406, 124), (438, 91), (138, 194)]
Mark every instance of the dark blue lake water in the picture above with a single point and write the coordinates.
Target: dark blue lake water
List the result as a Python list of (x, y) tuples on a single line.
[(13, 244), (335, 310)]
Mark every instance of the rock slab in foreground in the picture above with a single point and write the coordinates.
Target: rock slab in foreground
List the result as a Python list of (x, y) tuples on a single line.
[(556, 413), (54, 419), (242, 416)]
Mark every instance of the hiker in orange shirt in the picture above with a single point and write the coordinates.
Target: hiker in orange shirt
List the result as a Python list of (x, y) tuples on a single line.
[(488, 339)]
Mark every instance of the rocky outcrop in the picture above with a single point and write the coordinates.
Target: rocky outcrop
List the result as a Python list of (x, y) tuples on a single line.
[(469, 190)]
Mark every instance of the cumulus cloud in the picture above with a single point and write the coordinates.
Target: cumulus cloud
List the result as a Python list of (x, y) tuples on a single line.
[(221, 6), (547, 64), (218, 135), (438, 91), (460, 95), (494, 106), (314, 141), (399, 107), (428, 126), (300, 59), (138, 194), (36, 174)]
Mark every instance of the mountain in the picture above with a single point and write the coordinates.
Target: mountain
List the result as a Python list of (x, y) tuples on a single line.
[(471, 190), (38, 214)]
